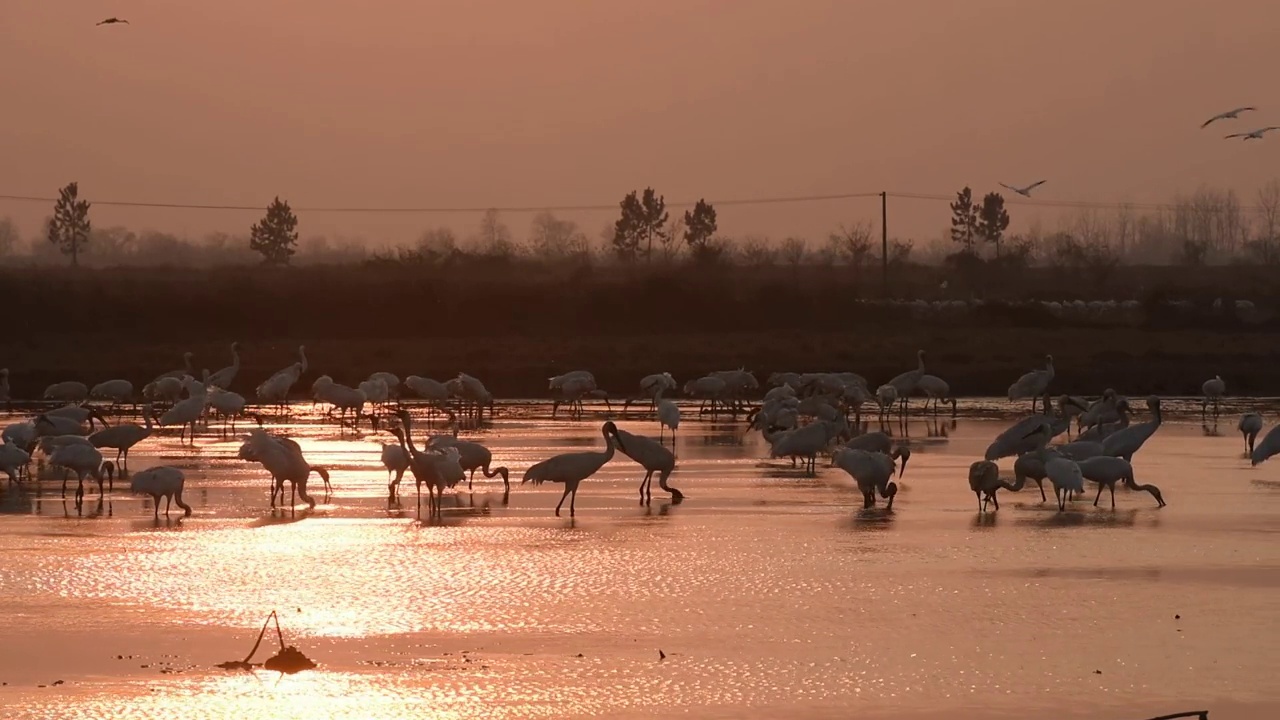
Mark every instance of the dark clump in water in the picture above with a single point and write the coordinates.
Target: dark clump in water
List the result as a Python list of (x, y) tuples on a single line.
[(288, 661)]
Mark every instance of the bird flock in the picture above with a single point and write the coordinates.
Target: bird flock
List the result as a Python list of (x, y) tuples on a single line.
[(801, 417)]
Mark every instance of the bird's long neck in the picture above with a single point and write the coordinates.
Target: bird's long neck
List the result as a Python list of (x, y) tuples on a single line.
[(177, 500), (1019, 482), (302, 354), (235, 358), (607, 455), (1133, 485)]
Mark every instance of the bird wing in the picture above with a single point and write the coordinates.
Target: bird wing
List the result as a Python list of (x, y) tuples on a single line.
[(1234, 135), (1010, 187), (1034, 185), (1210, 121)]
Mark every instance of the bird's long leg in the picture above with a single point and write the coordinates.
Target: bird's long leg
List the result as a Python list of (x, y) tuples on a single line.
[(561, 503), (573, 499), (1112, 488), (1043, 497), (982, 504), (1099, 497)]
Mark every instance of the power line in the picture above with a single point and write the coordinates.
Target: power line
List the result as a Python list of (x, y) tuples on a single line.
[(1085, 204), (776, 200), (457, 210)]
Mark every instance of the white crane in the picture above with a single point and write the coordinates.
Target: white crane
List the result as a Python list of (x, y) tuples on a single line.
[(117, 391), (654, 457), (653, 387), (79, 414), (163, 481), (1065, 475), (59, 425), (472, 456), (282, 457), (1269, 446), (433, 391), (186, 369), (223, 378), (569, 389), (343, 398), (905, 383), (984, 481), (937, 390), (426, 471), (390, 380), (708, 389), (1213, 388), (396, 460), (572, 468), (668, 417), (875, 441), (1024, 191), (167, 390), (886, 396), (1253, 135), (1228, 115), (84, 461), (1107, 471), (472, 392), (1250, 425), (806, 442), (873, 472), (185, 413), (124, 436), (228, 404), (23, 434), (1028, 434), (13, 460), (275, 389), (1124, 443), (1033, 384), (67, 391)]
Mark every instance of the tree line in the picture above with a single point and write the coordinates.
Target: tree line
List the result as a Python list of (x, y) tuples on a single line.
[(1206, 227)]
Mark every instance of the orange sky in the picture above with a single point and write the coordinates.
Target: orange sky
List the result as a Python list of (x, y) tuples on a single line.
[(529, 102)]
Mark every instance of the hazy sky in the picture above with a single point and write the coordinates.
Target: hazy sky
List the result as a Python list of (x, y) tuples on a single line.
[(559, 102)]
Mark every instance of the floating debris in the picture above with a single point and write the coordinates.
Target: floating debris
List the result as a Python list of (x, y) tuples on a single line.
[(661, 655), (288, 661)]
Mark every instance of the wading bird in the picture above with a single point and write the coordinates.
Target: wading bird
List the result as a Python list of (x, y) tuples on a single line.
[(1213, 388), (1250, 425), (572, 468), (653, 457), (1033, 384), (124, 436), (84, 461), (1124, 443), (937, 390), (1065, 475), (1107, 471), (158, 482), (227, 375), (984, 481), (668, 417), (873, 472)]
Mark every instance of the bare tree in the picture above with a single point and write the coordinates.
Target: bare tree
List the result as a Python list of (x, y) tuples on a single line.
[(8, 237), (758, 251), (1269, 221), (852, 244), (792, 252), (494, 237)]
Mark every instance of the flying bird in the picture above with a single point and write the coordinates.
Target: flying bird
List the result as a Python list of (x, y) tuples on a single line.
[(1255, 135), (1024, 191), (113, 21), (1228, 115)]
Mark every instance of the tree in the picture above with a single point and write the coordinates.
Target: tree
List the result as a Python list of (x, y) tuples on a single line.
[(551, 238), (69, 227), (992, 220), (494, 237), (699, 225), (792, 252), (8, 237), (852, 244), (964, 220), (643, 219), (276, 236)]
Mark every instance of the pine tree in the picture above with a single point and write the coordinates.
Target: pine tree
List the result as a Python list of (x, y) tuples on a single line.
[(276, 236), (69, 226)]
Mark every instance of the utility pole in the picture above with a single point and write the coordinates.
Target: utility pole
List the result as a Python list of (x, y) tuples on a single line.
[(884, 243)]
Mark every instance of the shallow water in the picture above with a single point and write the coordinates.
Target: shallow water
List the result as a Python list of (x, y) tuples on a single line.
[(770, 593)]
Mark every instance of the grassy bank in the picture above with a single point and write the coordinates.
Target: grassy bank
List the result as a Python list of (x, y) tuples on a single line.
[(515, 326)]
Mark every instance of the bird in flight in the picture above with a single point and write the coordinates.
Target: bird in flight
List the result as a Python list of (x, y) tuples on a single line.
[(1024, 191), (1255, 135), (1228, 115), (113, 21)]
